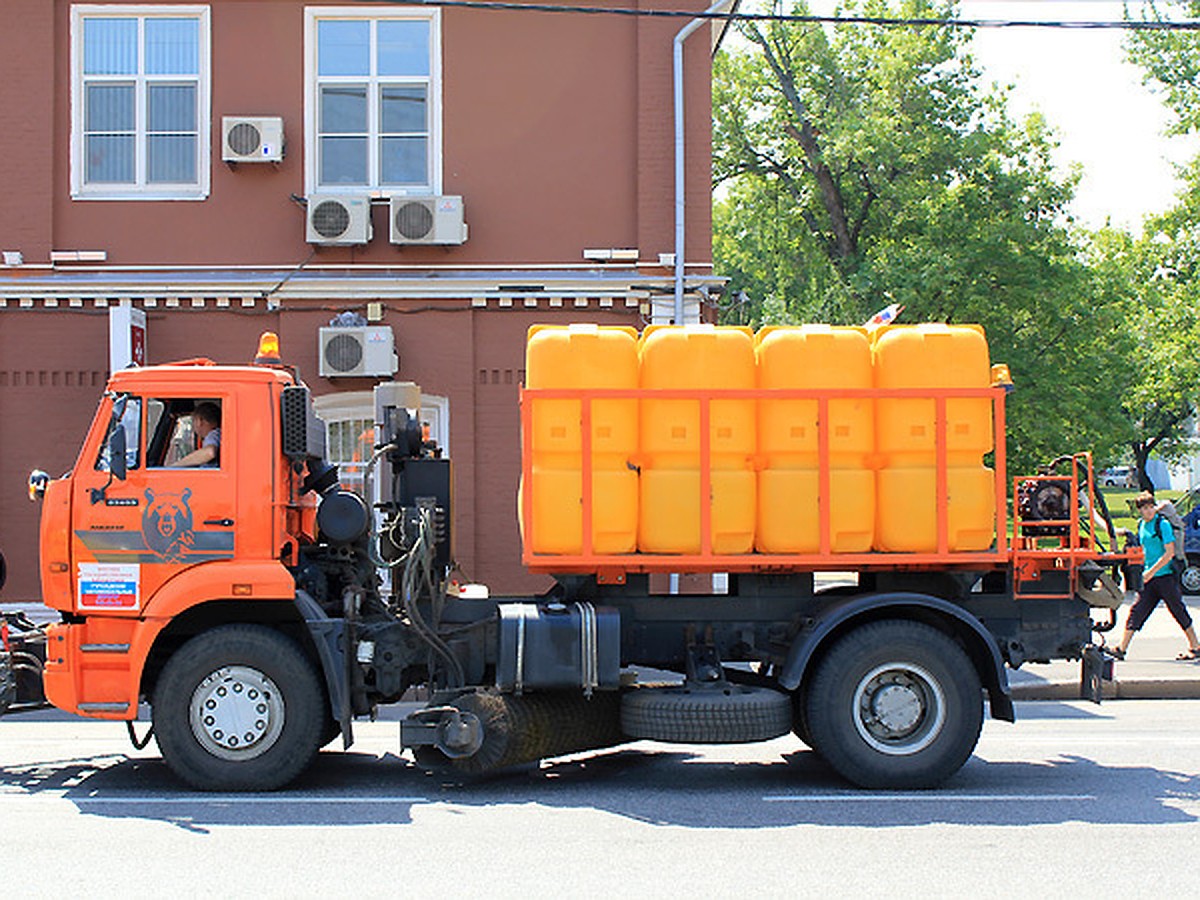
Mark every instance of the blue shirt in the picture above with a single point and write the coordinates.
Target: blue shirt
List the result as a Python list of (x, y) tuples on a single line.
[(1154, 546)]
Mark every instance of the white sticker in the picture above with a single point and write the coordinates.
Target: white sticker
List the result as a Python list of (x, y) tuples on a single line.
[(110, 586)]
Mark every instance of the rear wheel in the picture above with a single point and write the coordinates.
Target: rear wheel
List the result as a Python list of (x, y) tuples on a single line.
[(1189, 578), (238, 708), (895, 705)]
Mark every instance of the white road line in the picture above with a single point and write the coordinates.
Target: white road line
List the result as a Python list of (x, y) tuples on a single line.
[(929, 798), (215, 801)]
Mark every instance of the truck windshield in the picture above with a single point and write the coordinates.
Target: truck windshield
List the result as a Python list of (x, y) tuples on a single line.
[(131, 421)]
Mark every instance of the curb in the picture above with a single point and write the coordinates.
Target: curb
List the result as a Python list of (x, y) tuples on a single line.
[(1133, 689)]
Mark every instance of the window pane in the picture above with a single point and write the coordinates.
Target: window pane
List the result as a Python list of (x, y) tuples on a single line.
[(402, 109), (343, 48), (343, 160), (109, 159), (403, 48), (170, 159), (109, 107), (172, 46), (171, 107), (402, 160), (109, 46), (344, 109)]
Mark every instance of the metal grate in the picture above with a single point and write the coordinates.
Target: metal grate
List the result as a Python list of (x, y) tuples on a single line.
[(244, 139), (343, 352), (330, 219), (414, 221)]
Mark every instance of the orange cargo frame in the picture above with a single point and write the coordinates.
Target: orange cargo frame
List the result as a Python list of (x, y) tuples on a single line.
[(613, 567), (1034, 553)]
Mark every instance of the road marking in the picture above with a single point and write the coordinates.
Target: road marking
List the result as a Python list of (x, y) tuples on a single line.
[(213, 800), (928, 797)]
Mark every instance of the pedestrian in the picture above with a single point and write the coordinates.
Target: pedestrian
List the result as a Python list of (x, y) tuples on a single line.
[(1159, 580)]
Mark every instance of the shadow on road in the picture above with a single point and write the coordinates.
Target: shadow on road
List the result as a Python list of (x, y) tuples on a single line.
[(644, 782)]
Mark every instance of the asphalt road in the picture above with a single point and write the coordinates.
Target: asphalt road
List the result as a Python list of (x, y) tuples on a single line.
[(1073, 800)]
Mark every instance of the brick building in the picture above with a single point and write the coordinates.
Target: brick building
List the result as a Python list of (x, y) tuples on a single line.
[(142, 171)]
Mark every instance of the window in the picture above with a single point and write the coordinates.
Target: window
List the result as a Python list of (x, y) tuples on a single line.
[(131, 420), (373, 110), (349, 419), (139, 102), (177, 429)]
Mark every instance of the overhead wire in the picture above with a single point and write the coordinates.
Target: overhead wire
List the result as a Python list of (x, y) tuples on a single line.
[(815, 19)]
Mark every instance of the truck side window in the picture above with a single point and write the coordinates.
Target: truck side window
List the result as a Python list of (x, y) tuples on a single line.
[(181, 428), (131, 421)]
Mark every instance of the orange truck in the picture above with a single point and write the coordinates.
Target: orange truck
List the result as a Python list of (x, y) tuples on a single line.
[(259, 608)]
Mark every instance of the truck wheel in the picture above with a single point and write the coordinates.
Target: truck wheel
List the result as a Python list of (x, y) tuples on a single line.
[(730, 714), (1189, 578), (238, 708), (895, 705)]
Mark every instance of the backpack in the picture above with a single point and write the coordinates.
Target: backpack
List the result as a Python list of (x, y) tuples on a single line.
[(1179, 563)]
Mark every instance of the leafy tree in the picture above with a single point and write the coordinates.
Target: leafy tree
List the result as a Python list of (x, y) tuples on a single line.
[(1164, 265), (859, 166)]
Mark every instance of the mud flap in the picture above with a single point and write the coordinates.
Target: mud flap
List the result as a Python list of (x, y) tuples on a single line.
[(1095, 669)]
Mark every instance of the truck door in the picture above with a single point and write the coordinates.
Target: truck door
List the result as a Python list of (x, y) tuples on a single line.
[(133, 534)]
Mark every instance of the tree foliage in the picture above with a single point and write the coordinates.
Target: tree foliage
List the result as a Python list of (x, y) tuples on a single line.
[(1163, 266), (859, 166)]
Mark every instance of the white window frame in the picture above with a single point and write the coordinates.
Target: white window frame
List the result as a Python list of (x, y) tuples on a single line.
[(312, 15), (352, 406), (141, 190)]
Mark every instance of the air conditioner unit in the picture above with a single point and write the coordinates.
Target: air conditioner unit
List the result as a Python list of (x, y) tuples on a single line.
[(365, 351), (426, 220), (251, 138), (339, 220)]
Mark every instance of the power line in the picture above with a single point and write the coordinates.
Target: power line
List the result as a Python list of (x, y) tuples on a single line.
[(884, 21)]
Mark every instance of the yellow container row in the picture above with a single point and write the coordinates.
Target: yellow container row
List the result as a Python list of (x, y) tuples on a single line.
[(763, 454)]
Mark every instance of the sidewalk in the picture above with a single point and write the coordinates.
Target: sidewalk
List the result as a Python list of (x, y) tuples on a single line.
[(1148, 672)]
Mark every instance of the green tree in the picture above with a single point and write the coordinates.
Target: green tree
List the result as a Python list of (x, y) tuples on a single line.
[(1164, 265), (859, 166)]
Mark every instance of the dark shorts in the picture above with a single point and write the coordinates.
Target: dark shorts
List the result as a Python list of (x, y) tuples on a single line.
[(1165, 588)]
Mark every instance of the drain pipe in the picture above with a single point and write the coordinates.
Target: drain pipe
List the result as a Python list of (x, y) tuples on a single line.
[(683, 35)]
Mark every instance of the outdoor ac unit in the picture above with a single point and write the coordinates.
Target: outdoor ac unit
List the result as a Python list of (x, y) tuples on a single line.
[(426, 220), (338, 220), (251, 138), (363, 351)]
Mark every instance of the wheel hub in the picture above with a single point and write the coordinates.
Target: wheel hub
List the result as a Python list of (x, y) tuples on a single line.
[(899, 708), (1191, 579), (236, 713)]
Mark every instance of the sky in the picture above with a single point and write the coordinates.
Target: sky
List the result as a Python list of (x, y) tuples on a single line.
[(1105, 118)]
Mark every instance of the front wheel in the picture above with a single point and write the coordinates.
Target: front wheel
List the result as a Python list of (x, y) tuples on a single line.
[(895, 705), (238, 708)]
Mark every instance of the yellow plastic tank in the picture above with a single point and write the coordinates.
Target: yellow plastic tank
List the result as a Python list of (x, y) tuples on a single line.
[(814, 356), (696, 357), (933, 356), (582, 356)]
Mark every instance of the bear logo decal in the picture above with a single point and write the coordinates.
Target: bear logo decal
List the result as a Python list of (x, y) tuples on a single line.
[(167, 525)]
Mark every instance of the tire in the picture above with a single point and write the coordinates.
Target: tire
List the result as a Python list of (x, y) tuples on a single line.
[(730, 714), (230, 675), (800, 718), (895, 705), (1189, 578)]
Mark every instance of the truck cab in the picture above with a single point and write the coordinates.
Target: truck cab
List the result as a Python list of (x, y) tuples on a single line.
[(132, 542)]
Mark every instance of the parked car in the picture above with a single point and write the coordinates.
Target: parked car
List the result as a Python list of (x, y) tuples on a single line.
[(1119, 476), (1188, 506)]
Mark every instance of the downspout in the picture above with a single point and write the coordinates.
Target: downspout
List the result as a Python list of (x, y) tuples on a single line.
[(683, 35)]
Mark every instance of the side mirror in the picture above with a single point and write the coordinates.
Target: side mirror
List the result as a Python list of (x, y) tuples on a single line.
[(116, 453), (37, 484)]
